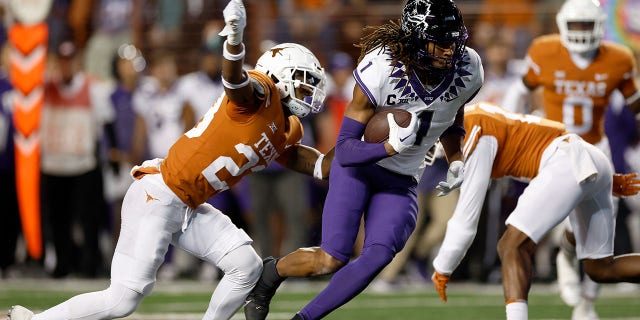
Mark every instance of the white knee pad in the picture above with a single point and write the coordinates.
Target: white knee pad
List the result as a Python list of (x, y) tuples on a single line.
[(121, 301), (242, 266)]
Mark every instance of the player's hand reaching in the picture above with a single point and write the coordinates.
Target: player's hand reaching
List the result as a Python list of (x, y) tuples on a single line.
[(455, 176), (401, 138), (440, 282), (235, 18), (625, 185)]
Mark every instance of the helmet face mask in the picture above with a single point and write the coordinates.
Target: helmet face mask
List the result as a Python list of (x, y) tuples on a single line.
[(435, 28), (581, 25), (298, 76)]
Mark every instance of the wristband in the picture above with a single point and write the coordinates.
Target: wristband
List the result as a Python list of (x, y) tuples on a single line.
[(317, 169), (230, 56), (230, 85)]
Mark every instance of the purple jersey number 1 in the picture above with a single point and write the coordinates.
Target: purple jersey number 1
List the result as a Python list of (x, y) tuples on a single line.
[(425, 123)]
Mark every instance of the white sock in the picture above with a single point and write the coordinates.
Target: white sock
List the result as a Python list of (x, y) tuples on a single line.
[(517, 311), (590, 288)]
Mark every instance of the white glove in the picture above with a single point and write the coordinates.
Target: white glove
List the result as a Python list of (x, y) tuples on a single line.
[(402, 138), (455, 176), (235, 18)]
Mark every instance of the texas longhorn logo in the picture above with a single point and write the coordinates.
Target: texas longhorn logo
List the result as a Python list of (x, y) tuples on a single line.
[(150, 197)]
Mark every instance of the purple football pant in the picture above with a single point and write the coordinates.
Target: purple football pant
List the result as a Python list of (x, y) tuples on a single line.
[(389, 204)]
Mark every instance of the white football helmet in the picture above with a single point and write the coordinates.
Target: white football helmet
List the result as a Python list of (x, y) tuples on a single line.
[(588, 11), (282, 62)]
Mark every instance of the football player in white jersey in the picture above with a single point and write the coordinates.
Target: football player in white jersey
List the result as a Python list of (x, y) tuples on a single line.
[(420, 64)]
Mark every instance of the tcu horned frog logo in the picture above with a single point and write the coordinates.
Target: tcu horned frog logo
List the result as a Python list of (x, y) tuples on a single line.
[(413, 14)]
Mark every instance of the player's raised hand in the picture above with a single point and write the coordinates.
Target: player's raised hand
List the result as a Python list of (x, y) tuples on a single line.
[(440, 282), (235, 18), (401, 138), (625, 185), (455, 176)]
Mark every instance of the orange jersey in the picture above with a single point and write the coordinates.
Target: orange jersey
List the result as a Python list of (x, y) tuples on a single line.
[(521, 139), (228, 144), (578, 97)]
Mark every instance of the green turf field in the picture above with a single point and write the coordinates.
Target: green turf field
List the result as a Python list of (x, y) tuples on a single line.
[(188, 299)]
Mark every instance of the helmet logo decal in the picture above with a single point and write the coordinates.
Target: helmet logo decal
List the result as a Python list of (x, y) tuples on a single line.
[(418, 13), (275, 51)]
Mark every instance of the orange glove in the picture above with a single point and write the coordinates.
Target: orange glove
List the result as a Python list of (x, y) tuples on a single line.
[(625, 185), (440, 281)]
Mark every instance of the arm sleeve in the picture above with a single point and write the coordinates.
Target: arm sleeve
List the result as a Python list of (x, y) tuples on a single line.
[(462, 227), (516, 98), (351, 151)]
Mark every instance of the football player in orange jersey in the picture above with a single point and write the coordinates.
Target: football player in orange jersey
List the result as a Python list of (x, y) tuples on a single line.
[(253, 123), (555, 162), (577, 71)]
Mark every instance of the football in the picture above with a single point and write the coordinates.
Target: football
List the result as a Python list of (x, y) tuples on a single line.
[(377, 129)]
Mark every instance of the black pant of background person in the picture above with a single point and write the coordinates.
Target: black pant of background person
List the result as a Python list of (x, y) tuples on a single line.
[(75, 200)]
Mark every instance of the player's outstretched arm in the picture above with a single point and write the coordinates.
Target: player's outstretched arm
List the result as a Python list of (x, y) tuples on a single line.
[(307, 160), (234, 78)]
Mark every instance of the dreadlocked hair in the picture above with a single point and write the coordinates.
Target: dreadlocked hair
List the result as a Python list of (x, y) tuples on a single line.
[(389, 35)]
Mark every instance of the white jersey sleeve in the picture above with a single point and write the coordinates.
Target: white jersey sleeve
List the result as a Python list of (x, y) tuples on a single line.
[(370, 73), (463, 225)]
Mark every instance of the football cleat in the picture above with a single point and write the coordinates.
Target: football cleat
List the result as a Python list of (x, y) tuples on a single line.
[(257, 303), (585, 310), (568, 279), (19, 313)]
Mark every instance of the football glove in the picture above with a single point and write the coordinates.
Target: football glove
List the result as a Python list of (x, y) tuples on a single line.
[(455, 176), (440, 282), (625, 185), (402, 138), (235, 18)]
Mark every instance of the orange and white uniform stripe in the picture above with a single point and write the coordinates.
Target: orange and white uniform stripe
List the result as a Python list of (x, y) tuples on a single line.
[(564, 172)]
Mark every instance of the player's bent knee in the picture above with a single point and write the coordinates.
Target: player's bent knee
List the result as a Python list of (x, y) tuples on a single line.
[(514, 243), (121, 301), (329, 263), (317, 261), (242, 265)]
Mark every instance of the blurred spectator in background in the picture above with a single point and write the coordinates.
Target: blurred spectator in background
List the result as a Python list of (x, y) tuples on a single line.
[(161, 116), (73, 114), (127, 65), (501, 69), (279, 203), (515, 20), (113, 22), (201, 88), (58, 23), (340, 88), (167, 23), (8, 197)]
